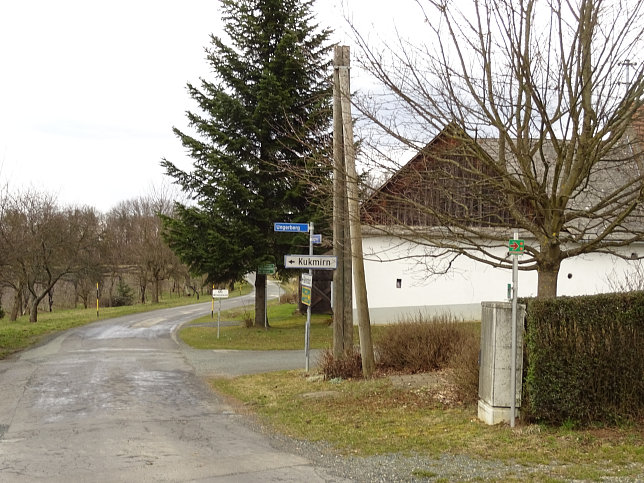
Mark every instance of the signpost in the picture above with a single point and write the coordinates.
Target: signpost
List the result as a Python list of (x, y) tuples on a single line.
[(310, 262), (515, 248), (266, 269), (292, 227), (219, 294), (306, 280), (317, 262), (306, 296)]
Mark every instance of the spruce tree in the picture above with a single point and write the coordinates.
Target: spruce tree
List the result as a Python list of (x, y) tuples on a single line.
[(262, 118)]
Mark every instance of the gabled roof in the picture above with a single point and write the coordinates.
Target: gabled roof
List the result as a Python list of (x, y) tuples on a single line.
[(461, 180)]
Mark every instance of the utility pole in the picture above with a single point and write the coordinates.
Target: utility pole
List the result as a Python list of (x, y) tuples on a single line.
[(342, 276), (364, 325)]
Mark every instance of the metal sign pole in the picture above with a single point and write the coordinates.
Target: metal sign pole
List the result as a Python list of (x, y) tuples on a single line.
[(307, 331), (218, 318), (513, 362)]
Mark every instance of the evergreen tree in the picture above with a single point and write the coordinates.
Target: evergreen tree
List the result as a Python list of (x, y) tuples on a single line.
[(264, 116)]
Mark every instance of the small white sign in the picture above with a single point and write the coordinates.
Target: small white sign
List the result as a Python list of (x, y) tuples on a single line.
[(220, 294), (307, 280)]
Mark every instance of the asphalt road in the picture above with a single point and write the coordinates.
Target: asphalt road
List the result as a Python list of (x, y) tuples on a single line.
[(123, 400)]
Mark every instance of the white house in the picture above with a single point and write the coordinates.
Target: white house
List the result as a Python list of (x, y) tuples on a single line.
[(400, 288), (408, 274)]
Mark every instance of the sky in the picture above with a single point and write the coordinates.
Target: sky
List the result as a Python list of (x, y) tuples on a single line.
[(90, 90)]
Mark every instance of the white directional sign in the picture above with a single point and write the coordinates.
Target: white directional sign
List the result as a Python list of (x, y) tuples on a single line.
[(314, 262), (220, 294)]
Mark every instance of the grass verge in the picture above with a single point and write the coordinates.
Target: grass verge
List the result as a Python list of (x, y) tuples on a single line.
[(375, 417), (286, 331)]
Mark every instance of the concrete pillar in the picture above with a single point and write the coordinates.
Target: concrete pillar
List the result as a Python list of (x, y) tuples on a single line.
[(495, 361)]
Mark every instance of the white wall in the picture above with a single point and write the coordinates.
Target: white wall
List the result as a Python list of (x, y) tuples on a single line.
[(462, 289)]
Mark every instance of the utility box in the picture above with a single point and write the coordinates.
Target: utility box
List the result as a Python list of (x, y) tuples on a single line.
[(496, 359)]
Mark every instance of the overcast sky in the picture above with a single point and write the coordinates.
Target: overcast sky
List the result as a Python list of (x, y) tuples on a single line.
[(90, 90)]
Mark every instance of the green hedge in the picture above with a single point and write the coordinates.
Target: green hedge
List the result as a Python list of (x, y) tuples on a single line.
[(585, 359)]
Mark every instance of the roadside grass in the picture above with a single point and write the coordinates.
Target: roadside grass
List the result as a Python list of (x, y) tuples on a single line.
[(368, 417), (21, 334), (359, 417), (286, 332)]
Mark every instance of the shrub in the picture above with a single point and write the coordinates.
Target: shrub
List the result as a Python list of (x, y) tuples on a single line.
[(347, 367), (124, 295), (464, 365), (586, 358), (418, 345)]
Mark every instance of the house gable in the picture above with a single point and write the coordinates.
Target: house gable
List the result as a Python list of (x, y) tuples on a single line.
[(451, 181)]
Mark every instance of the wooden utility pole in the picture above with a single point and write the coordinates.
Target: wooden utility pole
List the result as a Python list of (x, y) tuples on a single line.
[(342, 296), (364, 325)]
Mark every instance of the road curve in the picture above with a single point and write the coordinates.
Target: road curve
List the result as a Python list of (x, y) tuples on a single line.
[(117, 400)]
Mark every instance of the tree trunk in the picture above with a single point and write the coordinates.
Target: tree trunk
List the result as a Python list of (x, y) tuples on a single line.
[(260, 300), (33, 314), (547, 283), (548, 271), (17, 305), (155, 294)]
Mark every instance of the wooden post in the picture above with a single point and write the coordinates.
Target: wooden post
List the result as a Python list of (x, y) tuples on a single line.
[(364, 325), (342, 300)]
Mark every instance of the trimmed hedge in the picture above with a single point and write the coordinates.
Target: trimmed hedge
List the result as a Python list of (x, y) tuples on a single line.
[(585, 359)]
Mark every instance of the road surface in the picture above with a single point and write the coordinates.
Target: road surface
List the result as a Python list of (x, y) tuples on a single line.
[(120, 400)]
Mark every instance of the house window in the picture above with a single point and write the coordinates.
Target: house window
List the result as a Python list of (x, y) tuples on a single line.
[(399, 283)]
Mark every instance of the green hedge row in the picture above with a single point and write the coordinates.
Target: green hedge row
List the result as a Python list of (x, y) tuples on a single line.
[(585, 359)]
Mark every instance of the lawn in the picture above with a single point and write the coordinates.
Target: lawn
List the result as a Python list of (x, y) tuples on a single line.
[(286, 332), (363, 418)]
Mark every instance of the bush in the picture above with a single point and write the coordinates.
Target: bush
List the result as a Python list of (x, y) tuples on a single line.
[(419, 346), (124, 295), (1, 312), (347, 367), (586, 359), (464, 365), (289, 294)]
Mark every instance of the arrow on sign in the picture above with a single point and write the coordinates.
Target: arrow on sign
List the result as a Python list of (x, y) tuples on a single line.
[(516, 246)]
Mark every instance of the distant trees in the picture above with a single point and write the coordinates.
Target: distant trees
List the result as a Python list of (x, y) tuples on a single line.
[(262, 116), (43, 244), (135, 236)]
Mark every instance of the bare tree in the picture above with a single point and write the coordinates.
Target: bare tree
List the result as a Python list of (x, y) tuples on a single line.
[(137, 242), (42, 244), (537, 105)]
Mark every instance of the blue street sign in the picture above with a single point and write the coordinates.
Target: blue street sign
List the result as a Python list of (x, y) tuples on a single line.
[(291, 227), (317, 239)]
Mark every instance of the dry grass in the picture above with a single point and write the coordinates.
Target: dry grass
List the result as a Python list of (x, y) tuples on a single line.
[(377, 417), (420, 345)]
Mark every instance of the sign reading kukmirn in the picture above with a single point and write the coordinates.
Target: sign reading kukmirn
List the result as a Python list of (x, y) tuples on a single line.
[(313, 262)]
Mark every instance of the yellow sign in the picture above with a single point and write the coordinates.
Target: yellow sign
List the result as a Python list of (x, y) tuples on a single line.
[(306, 295)]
